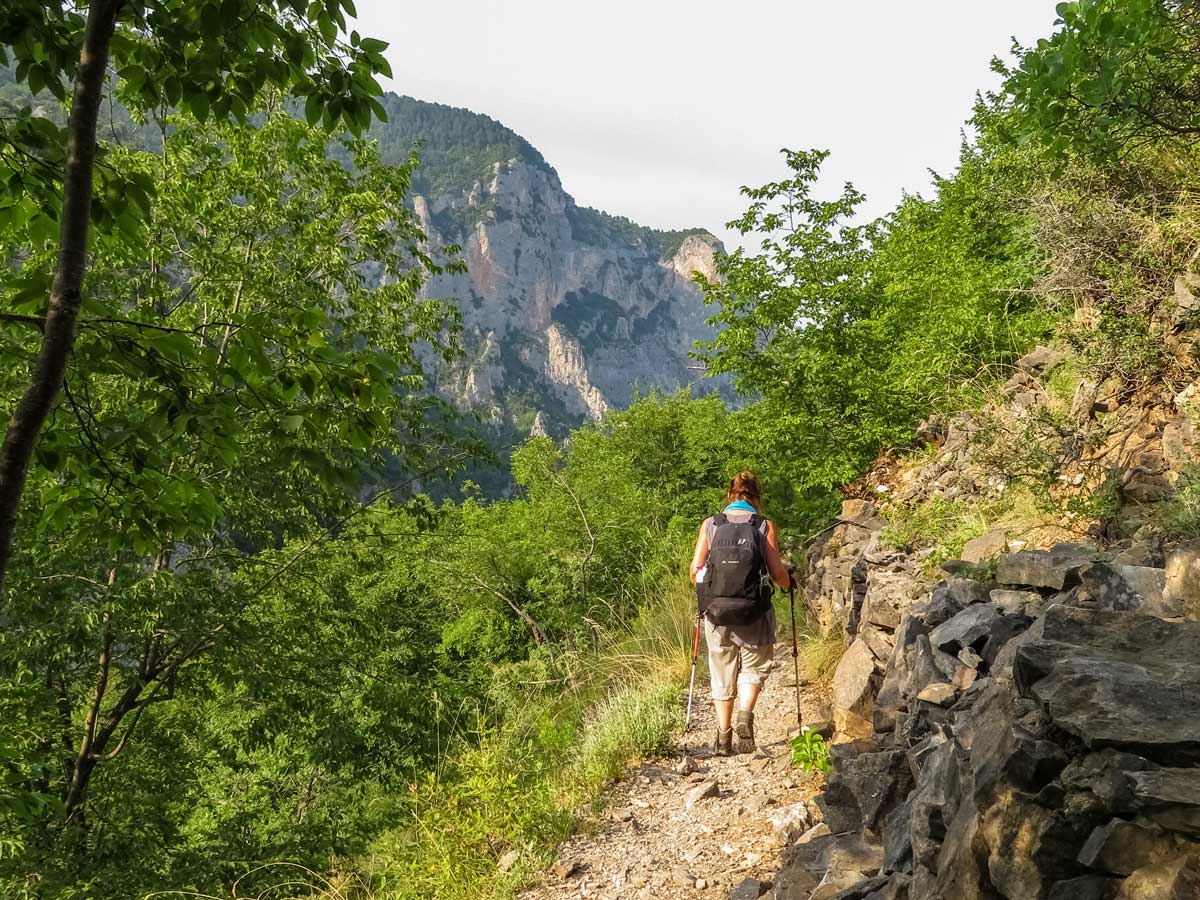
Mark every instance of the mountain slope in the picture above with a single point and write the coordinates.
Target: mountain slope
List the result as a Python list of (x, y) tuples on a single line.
[(567, 311)]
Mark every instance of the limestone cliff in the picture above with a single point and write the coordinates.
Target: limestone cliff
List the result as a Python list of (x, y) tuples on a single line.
[(567, 311)]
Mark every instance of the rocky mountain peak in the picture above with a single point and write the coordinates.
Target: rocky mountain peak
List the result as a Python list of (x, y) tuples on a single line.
[(567, 311)]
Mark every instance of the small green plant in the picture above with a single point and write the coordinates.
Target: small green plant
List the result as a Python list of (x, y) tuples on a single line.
[(1178, 517), (820, 655), (810, 752)]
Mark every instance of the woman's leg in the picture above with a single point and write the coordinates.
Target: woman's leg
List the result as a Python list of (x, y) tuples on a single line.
[(724, 714), (723, 666), (754, 665), (748, 695)]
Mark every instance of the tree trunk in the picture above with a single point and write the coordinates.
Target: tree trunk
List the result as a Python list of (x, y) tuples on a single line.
[(65, 292)]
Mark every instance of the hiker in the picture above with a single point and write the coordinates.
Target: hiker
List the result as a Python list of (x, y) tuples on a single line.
[(736, 559)]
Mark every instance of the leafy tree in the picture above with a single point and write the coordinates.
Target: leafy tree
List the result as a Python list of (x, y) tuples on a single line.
[(235, 383), (1115, 75), (794, 322), (211, 57), (846, 334)]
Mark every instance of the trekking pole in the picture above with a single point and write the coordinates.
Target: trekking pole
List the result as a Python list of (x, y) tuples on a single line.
[(691, 682), (687, 719), (795, 648)]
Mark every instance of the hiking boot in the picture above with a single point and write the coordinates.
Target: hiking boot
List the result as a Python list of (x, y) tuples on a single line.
[(724, 742), (744, 726)]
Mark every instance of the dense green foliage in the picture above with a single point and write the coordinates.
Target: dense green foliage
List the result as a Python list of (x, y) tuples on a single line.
[(457, 146), (234, 383), (809, 751), (1118, 75), (850, 333), (171, 53)]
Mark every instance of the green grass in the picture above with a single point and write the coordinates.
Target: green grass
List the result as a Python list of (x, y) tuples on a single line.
[(819, 654), (1178, 517), (528, 785)]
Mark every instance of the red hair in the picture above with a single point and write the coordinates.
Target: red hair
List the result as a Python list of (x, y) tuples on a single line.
[(744, 486)]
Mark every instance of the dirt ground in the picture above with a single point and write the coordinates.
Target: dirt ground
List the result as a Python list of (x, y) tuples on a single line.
[(653, 844)]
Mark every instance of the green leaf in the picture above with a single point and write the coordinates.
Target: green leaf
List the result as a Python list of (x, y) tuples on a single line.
[(313, 109), (198, 104)]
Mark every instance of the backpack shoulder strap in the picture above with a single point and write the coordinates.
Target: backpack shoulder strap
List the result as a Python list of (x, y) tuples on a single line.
[(760, 533), (719, 519)]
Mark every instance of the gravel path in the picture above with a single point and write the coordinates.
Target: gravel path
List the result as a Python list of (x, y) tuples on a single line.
[(652, 844)]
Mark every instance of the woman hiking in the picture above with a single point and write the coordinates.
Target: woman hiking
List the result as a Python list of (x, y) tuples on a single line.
[(735, 561)]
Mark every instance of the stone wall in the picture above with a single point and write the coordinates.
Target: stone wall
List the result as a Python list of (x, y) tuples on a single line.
[(1031, 735), (858, 588)]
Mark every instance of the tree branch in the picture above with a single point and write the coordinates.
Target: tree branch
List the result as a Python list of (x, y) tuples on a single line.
[(66, 289)]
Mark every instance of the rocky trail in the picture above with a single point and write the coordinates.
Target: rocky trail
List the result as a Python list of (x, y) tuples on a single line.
[(717, 832)]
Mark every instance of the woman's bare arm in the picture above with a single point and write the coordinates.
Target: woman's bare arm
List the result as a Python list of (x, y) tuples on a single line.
[(779, 572), (700, 553)]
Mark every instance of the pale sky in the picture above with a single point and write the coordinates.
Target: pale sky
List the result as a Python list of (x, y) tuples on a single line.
[(660, 110)]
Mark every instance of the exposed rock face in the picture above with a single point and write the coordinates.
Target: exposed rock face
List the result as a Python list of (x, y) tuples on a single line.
[(1032, 737), (567, 306)]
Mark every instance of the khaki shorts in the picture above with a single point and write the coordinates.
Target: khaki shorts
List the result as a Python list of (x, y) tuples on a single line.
[(731, 665)]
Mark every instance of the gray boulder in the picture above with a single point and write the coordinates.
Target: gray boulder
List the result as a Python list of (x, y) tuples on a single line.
[(854, 687), (1142, 553), (896, 677), (897, 840), (985, 547), (1124, 588), (1107, 775), (749, 889), (928, 666), (1118, 680), (946, 599), (879, 782), (1085, 887), (794, 882), (1178, 879), (862, 513), (1028, 602), (1007, 742), (1182, 587), (1122, 847), (965, 629), (1039, 360), (938, 693), (866, 888), (1169, 797), (960, 876), (935, 802), (847, 853), (1056, 568), (1003, 629), (839, 807), (895, 888), (889, 594), (1029, 846)]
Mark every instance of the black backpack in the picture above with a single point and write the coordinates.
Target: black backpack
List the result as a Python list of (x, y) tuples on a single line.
[(736, 589)]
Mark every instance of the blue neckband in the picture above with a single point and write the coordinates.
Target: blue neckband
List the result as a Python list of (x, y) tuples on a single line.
[(740, 506)]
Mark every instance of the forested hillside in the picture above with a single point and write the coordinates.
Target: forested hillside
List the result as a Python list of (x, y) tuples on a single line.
[(566, 310), (242, 655)]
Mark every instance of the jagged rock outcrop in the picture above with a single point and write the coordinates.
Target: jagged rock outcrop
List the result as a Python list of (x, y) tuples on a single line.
[(1034, 733), (578, 309), (1027, 727)]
